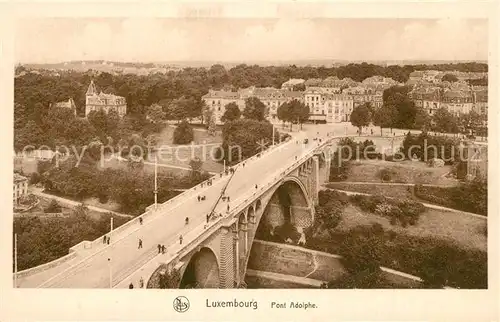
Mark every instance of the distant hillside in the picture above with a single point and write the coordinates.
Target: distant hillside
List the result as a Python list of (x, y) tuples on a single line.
[(110, 65)]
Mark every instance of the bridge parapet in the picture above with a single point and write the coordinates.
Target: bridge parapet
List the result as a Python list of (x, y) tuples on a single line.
[(242, 203)]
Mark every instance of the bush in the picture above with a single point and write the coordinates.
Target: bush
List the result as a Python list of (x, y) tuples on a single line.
[(325, 196), (386, 174), (405, 211), (361, 250), (170, 280), (469, 196), (53, 207), (437, 262)]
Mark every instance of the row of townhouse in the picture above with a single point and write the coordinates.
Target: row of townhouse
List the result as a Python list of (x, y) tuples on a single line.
[(455, 101), (434, 76), (323, 105), (329, 100), (327, 107)]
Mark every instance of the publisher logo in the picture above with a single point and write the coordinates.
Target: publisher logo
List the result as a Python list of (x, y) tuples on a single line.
[(181, 304)]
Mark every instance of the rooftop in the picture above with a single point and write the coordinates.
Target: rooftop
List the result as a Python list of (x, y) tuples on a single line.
[(19, 178)]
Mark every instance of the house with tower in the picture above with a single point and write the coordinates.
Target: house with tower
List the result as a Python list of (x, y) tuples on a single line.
[(96, 101)]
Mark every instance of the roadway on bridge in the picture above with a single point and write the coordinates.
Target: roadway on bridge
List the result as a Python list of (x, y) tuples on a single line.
[(94, 272)]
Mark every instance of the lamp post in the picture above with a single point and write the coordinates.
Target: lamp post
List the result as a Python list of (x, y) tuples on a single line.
[(15, 260), (156, 182), (111, 225), (273, 133), (110, 274)]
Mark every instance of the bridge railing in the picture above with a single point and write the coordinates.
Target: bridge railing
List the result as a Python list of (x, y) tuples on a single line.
[(151, 211), (214, 226)]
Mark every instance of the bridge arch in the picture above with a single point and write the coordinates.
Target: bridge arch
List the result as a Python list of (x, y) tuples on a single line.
[(277, 218), (202, 270), (288, 206)]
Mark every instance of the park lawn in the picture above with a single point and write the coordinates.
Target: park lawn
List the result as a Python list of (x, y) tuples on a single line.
[(165, 137), (404, 172), (179, 161), (462, 229), (399, 192)]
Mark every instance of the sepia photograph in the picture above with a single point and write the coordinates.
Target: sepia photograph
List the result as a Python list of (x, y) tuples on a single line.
[(250, 153)]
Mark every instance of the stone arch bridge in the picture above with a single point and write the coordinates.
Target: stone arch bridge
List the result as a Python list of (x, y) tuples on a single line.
[(219, 256), (278, 187)]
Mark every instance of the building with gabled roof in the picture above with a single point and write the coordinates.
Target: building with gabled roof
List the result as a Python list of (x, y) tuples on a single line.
[(95, 101), (69, 104)]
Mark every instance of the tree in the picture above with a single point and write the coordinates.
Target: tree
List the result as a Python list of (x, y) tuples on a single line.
[(449, 78), (183, 133), (360, 116), (29, 134), (196, 167), (209, 118), (98, 119), (283, 113), (231, 113), (422, 120), (177, 109), (254, 109), (471, 122), (384, 117), (444, 121), (300, 111), (293, 111), (244, 138), (155, 113), (403, 110)]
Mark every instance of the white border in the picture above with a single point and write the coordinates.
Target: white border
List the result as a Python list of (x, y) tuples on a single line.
[(45, 304)]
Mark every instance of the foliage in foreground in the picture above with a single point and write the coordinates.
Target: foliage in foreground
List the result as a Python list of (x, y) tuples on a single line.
[(44, 240)]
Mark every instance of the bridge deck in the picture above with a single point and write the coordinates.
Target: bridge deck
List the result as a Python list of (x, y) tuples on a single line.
[(165, 228)]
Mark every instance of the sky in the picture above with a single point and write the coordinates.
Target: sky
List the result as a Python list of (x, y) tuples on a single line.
[(52, 40)]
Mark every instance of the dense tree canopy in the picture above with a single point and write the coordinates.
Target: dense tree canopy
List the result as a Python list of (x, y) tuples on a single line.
[(183, 133), (231, 113), (255, 109), (449, 78), (293, 111), (244, 138), (361, 116)]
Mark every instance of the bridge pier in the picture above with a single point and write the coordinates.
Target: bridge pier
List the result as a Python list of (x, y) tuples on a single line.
[(302, 217), (227, 258)]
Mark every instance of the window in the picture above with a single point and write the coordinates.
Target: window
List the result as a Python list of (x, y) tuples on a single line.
[(218, 109)]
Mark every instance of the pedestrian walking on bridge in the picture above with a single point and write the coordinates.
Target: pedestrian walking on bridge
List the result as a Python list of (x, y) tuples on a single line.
[(159, 248), (109, 240), (141, 283), (227, 208), (104, 239), (180, 239), (140, 220), (163, 249), (131, 286), (140, 243)]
